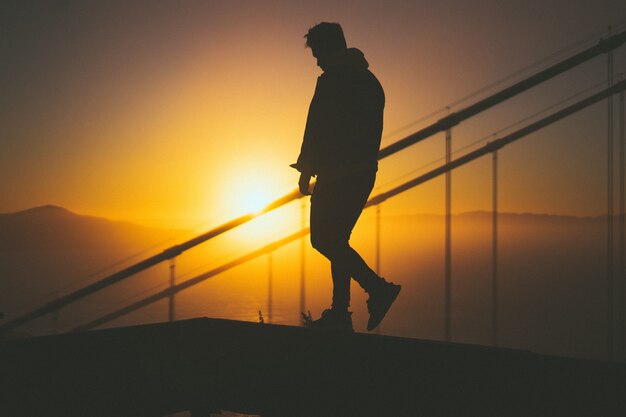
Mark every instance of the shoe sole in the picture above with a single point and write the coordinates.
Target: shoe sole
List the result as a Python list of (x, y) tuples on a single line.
[(371, 325)]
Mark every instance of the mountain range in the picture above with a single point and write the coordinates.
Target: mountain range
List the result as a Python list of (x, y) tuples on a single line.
[(57, 229), (49, 251)]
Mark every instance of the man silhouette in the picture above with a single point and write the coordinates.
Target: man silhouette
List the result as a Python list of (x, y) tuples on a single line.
[(340, 147)]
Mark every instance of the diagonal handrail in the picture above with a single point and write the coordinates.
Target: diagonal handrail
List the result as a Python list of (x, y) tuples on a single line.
[(603, 46), (144, 264), (499, 143), (191, 282), (453, 119), (376, 200)]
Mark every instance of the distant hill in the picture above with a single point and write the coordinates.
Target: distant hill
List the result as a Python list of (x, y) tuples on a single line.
[(53, 228), (49, 251)]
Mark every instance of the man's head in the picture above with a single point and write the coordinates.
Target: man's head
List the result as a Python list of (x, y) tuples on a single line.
[(325, 40)]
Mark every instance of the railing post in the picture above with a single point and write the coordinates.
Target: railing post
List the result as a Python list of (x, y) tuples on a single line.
[(302, 263), (448, 244), (610, 308), (378, 270), (269, 288), (171, 312), (494, 266), (378, 239), (622, 245)]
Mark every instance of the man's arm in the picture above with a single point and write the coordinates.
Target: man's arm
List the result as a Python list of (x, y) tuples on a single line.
[(305, 179), (309, 151), (304, 183)]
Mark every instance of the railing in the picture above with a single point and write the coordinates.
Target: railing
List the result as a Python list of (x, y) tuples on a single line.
[(443, 125), (492, 148)]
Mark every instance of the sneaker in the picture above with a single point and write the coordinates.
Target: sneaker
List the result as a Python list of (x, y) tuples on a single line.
[(379, 302), (333, 319)]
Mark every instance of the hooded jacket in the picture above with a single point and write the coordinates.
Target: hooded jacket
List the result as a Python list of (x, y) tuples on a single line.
[(345, 120)]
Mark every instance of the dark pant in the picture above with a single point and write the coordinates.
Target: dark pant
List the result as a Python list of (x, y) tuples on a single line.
[(335, 208)]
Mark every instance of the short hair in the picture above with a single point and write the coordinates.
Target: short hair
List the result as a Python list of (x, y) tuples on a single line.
[(325, 37)]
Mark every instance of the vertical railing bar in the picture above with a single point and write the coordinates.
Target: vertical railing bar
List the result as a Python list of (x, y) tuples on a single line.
[(610, 307), (378, 239), (269, 287), (171, 298), (302, 263), (378, 266), (622, 219), (494, 266), (448, 243)]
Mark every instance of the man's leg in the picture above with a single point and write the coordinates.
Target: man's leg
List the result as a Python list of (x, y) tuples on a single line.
[(335, 209), (341, 287)]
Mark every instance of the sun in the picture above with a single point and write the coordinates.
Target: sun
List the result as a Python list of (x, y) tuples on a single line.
[(249, 194), (253, 200), (247, 189), (265, 228)]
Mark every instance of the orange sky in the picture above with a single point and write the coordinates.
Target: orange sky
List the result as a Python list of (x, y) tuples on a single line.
[(169, 114)]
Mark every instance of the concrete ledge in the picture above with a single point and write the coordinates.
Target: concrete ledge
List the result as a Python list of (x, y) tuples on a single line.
[(273, 370)]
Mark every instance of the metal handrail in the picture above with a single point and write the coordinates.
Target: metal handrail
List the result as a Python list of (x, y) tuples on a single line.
[(376, 200), (168, 292), (604, 46)]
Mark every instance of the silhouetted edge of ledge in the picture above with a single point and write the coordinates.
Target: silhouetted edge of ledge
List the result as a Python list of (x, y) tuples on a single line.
[(283, 370)]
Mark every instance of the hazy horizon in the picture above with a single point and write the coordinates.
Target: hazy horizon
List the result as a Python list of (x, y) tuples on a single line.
[(208, 224), (552, 272)]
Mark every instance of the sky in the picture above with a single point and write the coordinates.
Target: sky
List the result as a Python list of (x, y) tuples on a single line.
[(177, 113)]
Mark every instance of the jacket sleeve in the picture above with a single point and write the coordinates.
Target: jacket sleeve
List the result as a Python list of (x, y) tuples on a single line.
[(309, 151)]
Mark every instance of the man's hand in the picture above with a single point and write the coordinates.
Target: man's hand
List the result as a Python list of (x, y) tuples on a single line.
[(303, 183)]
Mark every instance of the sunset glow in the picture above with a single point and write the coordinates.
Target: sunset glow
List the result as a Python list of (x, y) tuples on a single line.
[(168, 109), (129, 129), (254, 200)]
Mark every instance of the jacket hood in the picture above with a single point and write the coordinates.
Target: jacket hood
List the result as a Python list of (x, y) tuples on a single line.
[(352, 57)]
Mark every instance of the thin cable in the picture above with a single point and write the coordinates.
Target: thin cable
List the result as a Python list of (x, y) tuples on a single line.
[(610, 190), (518, 73), (495, 134)]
